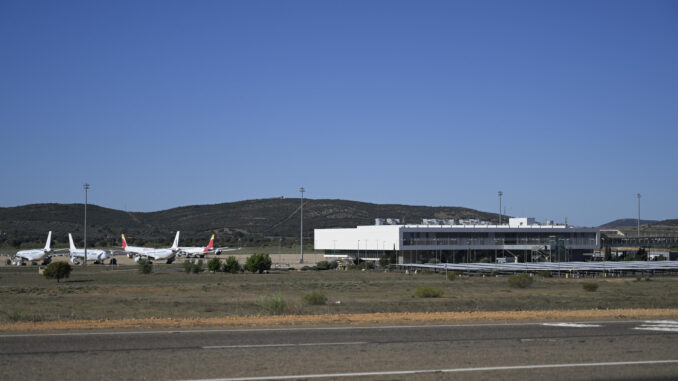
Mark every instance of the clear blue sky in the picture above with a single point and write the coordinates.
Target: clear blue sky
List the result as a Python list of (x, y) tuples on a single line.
[(569, 107)]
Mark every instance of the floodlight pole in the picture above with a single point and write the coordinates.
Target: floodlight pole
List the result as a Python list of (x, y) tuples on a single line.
[(500, 193), (638, 195), (86, 188), (301, 229)]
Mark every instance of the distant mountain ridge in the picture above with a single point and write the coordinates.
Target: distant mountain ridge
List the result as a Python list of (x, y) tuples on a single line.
[(273, 217), (625, 222)]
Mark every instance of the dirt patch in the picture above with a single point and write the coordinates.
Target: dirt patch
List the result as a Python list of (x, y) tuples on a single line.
[(341, 319)]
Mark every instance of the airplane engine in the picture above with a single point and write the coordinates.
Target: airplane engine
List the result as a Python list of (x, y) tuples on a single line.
[(75, 261)]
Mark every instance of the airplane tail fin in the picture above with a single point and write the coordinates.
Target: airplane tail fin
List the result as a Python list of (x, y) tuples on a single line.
[(175, 245), (124, 242), (48, 245), (210, 245), (70, 241)]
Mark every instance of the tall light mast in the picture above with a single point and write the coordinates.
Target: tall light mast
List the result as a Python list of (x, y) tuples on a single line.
[(85, 186), (301, 229), (500, 193)]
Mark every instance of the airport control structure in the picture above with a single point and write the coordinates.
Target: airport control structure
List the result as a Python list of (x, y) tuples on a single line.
[(467, 241)]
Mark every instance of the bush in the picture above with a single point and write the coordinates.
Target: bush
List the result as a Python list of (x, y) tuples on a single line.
[(258, 263), (545, 274), (520, 280), (197, 267), (273, 304), (214, 265), (145, 266), (322, 265), (315, 298), (58, 270), (428, 292), (306, 268), (590, 286), (187, 266), (231, 266), (452, 275)]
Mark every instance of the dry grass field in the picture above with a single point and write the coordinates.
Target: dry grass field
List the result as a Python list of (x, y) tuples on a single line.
[(120, 292)]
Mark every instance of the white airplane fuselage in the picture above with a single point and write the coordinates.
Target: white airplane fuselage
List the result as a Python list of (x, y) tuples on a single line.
[(32, 255), (92, 254), (155, 255)]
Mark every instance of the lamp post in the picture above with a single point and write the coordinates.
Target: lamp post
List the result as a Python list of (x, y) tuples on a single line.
[(85, 186), (500, 193), (301, 229)]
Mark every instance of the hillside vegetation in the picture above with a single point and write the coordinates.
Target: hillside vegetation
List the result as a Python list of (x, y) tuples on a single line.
[(260, 221)]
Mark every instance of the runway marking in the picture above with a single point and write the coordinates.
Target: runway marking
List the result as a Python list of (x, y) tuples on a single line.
[(659, 325), (573, 325), (451, 370), (340, 328), (282, 345)]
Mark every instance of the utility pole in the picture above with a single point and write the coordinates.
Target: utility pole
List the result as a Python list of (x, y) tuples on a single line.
[(500, 193), (86, 188), (301, 258)]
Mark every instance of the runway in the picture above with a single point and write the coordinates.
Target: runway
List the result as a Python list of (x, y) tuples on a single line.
[(616, 350)]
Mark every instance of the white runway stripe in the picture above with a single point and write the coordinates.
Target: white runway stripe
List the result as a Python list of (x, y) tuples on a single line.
[(282, 345), (659, 325), (451, 370), (573, 325)]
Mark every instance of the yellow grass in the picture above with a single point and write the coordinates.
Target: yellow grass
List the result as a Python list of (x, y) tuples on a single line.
[(342, 319)]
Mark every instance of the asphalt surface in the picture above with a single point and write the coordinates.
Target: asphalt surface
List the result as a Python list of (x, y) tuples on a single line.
[(616, 350)]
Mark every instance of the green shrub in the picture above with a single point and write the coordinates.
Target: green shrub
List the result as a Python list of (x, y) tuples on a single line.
[(273, 304), (145, 266), (58, 270), (322, 265), (188, 266), (306, 268), (590, 286), (315, 298), (545, 274), (258, 263), (452, 275), (231, 266), (520, 280), (214, 265), (197, 267), (428, 292)]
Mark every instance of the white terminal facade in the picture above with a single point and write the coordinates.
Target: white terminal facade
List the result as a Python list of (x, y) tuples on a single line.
[(522, 239)]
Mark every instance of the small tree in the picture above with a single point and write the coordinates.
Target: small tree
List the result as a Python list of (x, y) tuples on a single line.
[(145, 266), (231, 266), (187, 266), (197, 267), (58, 270), (258, 263), (608, 253), (214, 265)]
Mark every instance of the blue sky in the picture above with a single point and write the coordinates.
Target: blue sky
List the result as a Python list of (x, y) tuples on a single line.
[(569, 107)]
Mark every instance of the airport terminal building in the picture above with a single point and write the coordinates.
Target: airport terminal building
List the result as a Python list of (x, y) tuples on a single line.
[(440, 241)]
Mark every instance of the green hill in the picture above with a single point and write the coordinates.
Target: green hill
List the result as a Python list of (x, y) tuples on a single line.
[(255, 221)]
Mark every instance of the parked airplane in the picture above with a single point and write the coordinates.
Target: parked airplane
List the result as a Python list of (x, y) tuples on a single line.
[(202, 250), (33, 255), (152, 253), (92, 254)]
